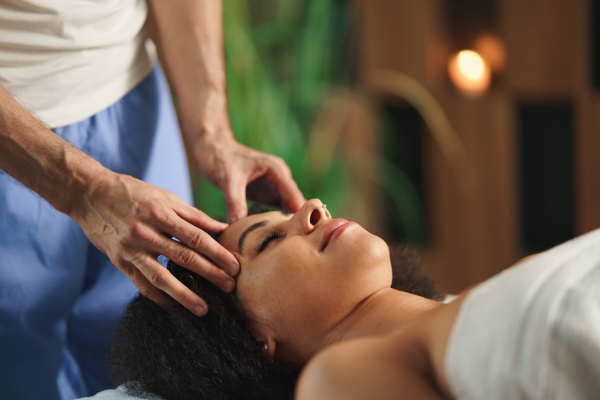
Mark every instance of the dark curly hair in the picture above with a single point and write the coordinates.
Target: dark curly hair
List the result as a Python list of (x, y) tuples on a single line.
[(178, 356)]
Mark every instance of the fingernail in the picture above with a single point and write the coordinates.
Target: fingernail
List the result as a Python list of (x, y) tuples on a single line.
[(233, 269), (200, 311), (228, 285)]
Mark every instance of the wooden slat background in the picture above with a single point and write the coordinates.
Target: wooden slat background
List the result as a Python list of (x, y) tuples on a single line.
[(474, 230)]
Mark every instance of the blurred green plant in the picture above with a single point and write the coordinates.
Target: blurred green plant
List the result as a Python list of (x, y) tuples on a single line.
[(283, 58)]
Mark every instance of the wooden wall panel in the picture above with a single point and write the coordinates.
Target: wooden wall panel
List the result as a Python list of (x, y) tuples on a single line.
[(587, 158), (545, 41), (473, 226), (398, 35), (474, 232)]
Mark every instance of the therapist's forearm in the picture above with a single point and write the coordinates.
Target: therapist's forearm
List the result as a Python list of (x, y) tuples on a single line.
[(38, 158), (190, 40)]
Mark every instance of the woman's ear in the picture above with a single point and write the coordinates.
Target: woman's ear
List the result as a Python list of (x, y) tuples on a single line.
[(269, 346), (265, 336)]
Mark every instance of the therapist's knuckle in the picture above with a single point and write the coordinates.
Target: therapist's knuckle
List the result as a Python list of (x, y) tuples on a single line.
[(285, 168), (222, 256), (186, 256), (139, 231), (280, 164), (276, 160), (198, 241), (157, 212), (138, 260), (145, 290), (169, 195), (125, 251), (159, 277)]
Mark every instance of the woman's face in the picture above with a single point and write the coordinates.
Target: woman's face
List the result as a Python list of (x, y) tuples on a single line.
[(302, 273)]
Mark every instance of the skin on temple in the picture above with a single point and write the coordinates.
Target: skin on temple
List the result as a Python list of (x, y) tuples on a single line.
[(306, 298)]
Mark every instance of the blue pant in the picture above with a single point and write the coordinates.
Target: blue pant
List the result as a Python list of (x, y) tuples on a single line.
[(60, 298)]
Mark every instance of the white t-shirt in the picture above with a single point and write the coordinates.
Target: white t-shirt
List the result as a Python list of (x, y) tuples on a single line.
[(66, 60), (533, 331)]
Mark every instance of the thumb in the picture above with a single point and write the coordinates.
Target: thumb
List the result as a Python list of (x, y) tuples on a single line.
[(235, 200), (292, 197)]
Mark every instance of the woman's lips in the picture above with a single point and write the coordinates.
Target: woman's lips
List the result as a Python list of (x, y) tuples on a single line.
[(333, 230)]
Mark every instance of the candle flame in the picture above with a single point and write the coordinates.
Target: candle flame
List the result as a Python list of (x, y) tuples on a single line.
[(469, 72)]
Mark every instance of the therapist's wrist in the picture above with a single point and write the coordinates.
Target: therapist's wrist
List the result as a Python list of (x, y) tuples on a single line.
[(209, 124), (65, 179), (84, 188), (211, 143)]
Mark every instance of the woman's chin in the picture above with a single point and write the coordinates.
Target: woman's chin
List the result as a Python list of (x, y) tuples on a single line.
[(374, 250), (370, 255)]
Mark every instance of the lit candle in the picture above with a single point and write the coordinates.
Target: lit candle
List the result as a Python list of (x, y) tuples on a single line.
[(469, 72)]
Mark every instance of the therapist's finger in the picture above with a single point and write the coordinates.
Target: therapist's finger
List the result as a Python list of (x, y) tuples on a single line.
[(199, 241), (153, 281), (160, 278), (190, 259), (198, 218), (280, 177), (234, 194)]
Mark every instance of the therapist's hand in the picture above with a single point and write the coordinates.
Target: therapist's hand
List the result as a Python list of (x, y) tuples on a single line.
[(133, 222), (189, 35), (241, 172)]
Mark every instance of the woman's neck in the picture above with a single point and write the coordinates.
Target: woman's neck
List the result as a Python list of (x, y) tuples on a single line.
[(382, 313)]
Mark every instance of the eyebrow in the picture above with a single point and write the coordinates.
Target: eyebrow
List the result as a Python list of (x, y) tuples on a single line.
[(247, 231)]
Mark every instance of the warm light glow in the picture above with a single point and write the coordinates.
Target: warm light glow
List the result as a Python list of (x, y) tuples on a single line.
[(471, 64), (469, 72), (492, 51)]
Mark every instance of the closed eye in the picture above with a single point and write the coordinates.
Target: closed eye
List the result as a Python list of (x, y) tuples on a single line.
[(272, 236)]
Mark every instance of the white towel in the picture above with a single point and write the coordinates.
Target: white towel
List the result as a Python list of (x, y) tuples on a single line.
[(120, 394), (533, 331)]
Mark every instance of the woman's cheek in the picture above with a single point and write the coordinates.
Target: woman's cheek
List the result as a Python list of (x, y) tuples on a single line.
[(362, 248)]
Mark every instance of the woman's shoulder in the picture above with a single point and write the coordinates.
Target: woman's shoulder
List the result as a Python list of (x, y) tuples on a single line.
[(373, 367), (329, 373)]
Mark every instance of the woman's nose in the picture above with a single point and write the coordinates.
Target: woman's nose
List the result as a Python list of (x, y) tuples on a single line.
[(313, 212)]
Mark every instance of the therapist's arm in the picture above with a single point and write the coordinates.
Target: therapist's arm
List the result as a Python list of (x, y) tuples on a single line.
[(128, 220), (190, 41)]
